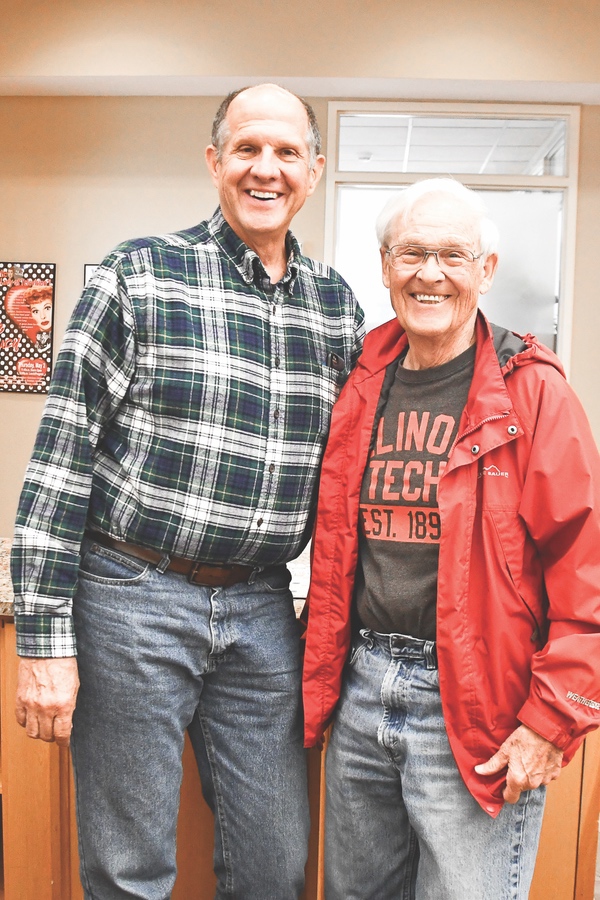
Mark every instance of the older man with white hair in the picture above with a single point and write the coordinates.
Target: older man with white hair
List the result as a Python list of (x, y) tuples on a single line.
[(455, 595)]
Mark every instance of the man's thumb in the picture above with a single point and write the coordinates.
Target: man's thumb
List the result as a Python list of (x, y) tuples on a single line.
[(495, 764)]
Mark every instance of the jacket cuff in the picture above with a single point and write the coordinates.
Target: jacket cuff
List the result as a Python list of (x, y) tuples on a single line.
[(547, 724), (45, 635)]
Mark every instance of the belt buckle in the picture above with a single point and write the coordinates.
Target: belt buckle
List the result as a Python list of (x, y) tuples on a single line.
[(215, 578)]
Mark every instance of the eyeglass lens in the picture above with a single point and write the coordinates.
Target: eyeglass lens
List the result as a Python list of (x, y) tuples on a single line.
[(416, 256)]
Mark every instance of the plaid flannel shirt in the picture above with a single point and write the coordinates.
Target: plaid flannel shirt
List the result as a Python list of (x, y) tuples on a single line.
[(188, 412)]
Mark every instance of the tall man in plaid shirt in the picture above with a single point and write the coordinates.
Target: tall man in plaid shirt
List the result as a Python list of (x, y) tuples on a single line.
[(173, 477)]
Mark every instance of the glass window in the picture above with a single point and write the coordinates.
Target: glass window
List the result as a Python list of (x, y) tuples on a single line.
[(451, 145)]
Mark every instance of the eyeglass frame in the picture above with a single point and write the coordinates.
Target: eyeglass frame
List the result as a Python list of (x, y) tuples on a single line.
[(430, 253)]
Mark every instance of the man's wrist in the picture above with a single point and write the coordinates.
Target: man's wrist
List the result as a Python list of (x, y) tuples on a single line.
[(546, 723)]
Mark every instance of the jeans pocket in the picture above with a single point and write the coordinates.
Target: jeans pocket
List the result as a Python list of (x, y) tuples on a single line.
[(104, 565), (274, 580)]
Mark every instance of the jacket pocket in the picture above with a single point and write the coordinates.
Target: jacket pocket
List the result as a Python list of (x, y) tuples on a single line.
[(511, 536)]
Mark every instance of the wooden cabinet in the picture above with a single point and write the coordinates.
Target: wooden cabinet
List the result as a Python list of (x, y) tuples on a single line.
[(36, 801), (39, 836)]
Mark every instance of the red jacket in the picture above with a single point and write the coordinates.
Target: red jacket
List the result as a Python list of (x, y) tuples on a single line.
[(518, 607)]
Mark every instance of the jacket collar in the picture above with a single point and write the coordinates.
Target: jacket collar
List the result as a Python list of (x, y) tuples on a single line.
[(381, 347), (488, 395), (386, 343), (488, 400)]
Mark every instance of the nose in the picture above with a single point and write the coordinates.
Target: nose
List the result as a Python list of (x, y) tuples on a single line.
[(265, 164), (430, 270)]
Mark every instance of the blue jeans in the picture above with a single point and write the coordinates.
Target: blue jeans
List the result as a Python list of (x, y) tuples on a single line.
[(157, 656), (400, 822)]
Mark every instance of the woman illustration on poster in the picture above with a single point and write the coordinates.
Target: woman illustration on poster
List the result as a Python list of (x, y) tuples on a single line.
[(30, 308), (39, 301)]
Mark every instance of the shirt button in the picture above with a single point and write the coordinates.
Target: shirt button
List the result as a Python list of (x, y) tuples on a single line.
[(274, 308), (277, 362), (271, 468), (259, 523), (276, 414), (512, 429), (475, 448)]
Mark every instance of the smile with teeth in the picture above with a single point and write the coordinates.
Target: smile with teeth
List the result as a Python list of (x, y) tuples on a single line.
[(430, 298), (263, 195)]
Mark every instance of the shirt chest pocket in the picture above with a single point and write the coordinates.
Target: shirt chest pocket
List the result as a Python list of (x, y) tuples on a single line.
[(331, 381), (312, 391)]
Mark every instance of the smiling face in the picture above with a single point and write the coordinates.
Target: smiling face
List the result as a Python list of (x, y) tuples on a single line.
[(438, 307), (263, 175), (41, 313)]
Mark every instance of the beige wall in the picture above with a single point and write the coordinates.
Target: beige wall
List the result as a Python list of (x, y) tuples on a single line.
[(554, 40)]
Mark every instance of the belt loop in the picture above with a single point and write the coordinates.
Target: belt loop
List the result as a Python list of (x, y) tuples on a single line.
[(367, 634), (430, 653), (163, 565), (254, 574)]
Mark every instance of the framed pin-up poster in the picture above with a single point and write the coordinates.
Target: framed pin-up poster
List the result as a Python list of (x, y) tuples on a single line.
[(26, 321)]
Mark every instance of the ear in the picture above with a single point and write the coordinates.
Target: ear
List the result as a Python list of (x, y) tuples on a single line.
[(385, 266), (489, 270), (212, 163), (315, 174)]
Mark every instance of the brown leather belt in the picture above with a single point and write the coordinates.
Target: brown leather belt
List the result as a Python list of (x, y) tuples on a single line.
[(203, 574)]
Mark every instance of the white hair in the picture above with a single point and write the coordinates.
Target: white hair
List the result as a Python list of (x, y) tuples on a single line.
[(401, 204)]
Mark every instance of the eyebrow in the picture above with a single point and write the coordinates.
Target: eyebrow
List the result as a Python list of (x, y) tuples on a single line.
[(441, 243)]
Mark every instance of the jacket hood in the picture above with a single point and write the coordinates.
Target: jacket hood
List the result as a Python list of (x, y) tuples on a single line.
[(384, 344), (513, 350)]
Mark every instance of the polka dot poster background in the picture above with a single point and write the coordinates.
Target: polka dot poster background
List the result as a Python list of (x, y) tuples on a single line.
[(26, 332)]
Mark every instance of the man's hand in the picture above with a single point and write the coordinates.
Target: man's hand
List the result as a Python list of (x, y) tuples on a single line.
[(531, 761), (46, 694)]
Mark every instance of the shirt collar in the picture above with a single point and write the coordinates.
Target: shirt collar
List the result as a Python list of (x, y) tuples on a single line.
[(246, 261)]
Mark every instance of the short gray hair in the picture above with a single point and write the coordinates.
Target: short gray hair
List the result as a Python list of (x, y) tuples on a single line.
[(401, 204), (220, 129)]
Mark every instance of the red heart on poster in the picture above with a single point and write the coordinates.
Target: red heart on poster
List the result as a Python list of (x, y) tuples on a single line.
[(31, 370)]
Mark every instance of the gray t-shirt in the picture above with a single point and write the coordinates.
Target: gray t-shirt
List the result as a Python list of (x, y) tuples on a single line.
[(399, 523)]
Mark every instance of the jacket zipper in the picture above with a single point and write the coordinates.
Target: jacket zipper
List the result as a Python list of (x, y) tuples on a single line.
[(473, 428)]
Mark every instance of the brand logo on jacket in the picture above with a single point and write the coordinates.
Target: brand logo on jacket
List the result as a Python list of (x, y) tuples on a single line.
[(593, 704), (494, 471)]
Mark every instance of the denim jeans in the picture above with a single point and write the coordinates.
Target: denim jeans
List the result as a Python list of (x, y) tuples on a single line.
[(400, 822), (157, 656)]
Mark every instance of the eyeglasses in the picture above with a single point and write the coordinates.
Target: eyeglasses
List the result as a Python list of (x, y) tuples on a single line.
[(412, 257)]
